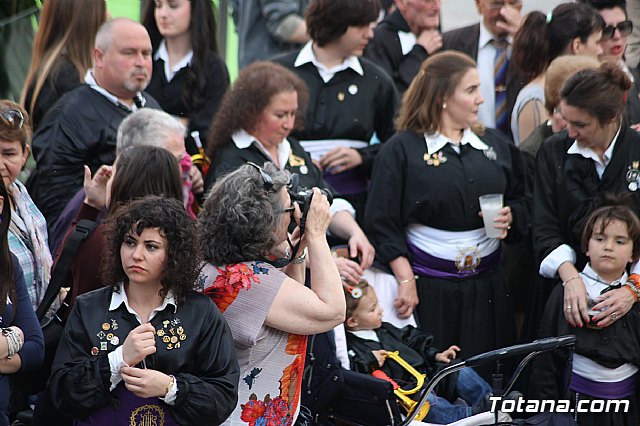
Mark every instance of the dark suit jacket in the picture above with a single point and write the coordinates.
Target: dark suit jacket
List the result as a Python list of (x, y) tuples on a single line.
[(466, 40)]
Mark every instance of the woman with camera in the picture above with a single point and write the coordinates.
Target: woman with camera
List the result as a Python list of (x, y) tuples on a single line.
[(270, 312), (253, 124)]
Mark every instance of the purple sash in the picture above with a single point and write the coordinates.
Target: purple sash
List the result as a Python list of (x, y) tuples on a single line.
[(430, 266), (605, 390), (131, 410), (349, 182)]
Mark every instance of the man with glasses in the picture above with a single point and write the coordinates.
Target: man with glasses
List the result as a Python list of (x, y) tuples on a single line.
[(614, 40), (488, 43), (405, 39), (80, 129)]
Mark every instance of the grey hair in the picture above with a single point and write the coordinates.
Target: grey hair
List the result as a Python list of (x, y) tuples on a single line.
[(104, 36), (147, 126), (240, 217)]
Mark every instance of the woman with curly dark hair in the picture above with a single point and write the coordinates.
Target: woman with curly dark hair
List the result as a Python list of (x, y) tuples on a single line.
[(189, 78), (243, 225), (147, 346)]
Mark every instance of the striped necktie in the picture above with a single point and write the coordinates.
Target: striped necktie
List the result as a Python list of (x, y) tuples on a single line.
[(501, 63)]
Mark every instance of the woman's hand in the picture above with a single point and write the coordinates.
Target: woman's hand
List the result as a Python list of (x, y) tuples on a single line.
[(575, 295), (503, 221), (448, 355), (612, 305), (359, 246), (407, 299), (349, 270), (95, 189), (139, 343), (340, 159), (145, 383), (318, 217)]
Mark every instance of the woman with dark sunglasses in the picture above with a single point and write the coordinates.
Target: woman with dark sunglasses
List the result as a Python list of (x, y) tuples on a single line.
[(614, 44)]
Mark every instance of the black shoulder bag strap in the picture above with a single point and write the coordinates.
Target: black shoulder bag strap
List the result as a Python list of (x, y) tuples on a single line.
[(59, 274)]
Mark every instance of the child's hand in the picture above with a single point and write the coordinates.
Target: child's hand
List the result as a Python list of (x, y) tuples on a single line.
[(448, 355), (380, 356)]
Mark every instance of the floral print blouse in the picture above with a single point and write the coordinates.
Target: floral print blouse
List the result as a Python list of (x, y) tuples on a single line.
[(271, 361)]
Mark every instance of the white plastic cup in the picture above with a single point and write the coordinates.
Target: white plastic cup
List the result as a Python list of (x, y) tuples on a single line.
[(490, 205)]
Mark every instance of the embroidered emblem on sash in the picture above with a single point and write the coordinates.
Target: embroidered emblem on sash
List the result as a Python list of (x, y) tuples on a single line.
[(147, 415), (435, 159), (633, 175), (468, 259)]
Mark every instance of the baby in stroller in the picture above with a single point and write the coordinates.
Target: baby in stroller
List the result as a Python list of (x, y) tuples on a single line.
[(369, 339)]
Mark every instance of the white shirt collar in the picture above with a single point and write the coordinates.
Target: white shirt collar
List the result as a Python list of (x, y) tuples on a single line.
[(120, 297), (366, 334), (486, 36), (163, 53), (407, 41), (243, 140), (307, 55), (436, 141), (91, 81), (591, 279), (589, 153)]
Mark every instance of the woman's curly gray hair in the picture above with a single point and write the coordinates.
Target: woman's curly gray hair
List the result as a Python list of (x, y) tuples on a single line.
[(240, 215)]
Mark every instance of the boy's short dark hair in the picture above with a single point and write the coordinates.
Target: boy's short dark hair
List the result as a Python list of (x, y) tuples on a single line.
[(608, 214), (328, 20), (353, 302)]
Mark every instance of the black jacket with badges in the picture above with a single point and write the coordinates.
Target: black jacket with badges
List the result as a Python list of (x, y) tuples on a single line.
[(567, 187), (349, 106), (230, 157), (440, 190), (205, 365)]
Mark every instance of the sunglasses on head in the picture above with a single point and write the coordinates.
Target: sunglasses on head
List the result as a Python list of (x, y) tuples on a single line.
[(267, 182), (625, 28), (12, 119)]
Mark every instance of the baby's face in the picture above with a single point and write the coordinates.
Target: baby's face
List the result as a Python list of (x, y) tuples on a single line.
[(610, 249), (368, 316)]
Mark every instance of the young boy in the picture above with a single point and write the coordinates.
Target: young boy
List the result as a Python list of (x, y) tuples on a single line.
[(607, 351), (368, 339)]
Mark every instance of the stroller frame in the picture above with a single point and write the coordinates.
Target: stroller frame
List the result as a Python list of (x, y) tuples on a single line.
[(531, 349)]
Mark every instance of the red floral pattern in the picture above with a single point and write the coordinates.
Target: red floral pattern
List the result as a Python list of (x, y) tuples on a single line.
[(228, 284)]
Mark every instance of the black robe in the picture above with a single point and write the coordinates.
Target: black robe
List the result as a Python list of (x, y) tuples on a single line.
[(80, 129), (610, 347), (335, 113), (169, 95), (230, 157), (385, 51), (474, 312), (205, 366), (567, 186)]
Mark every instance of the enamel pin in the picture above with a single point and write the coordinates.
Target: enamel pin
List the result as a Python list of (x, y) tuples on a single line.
[(632, 176)]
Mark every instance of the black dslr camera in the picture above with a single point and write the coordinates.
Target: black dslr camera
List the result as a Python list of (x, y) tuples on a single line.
[(302, 195)]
